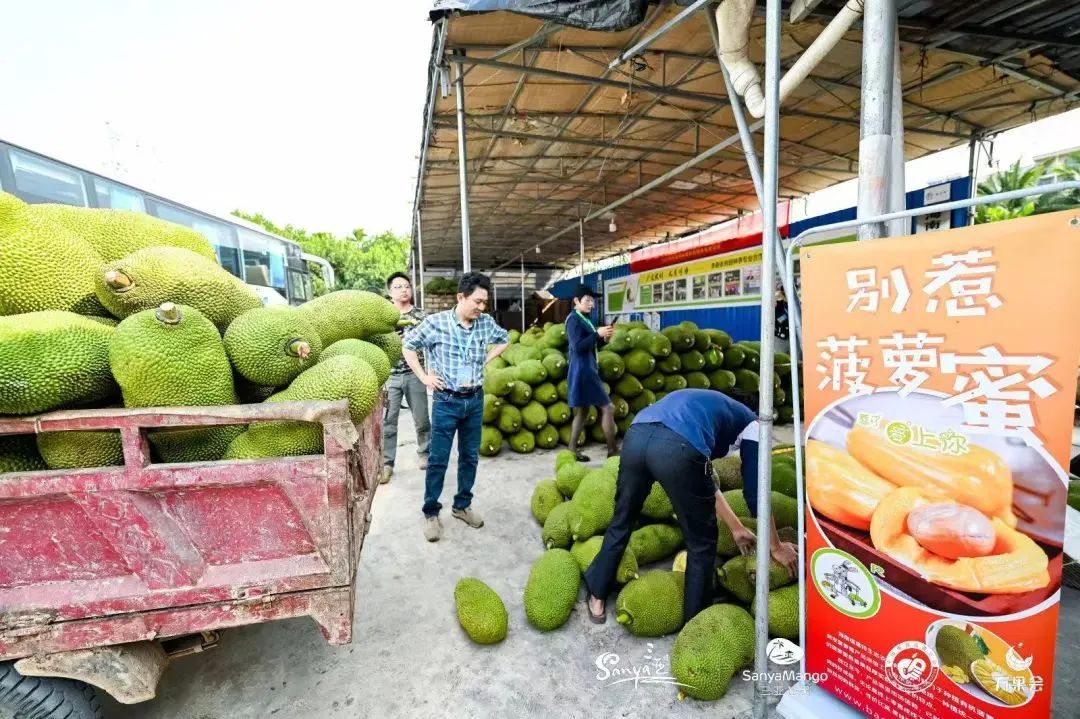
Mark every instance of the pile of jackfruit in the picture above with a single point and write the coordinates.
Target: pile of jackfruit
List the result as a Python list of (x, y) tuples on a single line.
[(526, 387), (575, 509), (103, 308)]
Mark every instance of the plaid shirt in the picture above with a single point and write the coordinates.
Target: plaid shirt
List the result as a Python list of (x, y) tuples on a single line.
[(456, 352), (401, 366)]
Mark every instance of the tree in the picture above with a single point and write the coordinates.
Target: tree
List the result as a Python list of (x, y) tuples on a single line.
[(360, 261), (1016, 179)]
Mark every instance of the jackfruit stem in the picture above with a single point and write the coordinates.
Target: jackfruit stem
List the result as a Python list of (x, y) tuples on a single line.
[(623, 617), (298, 348), (168, 313), (117, 281)]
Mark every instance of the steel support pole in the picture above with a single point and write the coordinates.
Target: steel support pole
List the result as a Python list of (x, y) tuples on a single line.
[(897, 176), (459, 83), (581, 249), (657, 34), (420, 259), (770, 190), (875, 152), (523, 292)]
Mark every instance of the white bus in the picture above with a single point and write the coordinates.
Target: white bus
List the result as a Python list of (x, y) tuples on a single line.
[(274, 266)]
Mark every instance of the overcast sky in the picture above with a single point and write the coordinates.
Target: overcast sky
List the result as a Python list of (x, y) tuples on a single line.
[(309, 112)]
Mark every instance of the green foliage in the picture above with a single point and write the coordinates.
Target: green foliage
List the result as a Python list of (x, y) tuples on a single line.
[(1014, 178)]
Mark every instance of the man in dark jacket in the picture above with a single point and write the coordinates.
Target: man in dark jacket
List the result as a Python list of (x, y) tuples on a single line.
[(673, 442)]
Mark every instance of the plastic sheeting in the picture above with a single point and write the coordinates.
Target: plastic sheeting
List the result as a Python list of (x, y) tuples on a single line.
[(610, 15)]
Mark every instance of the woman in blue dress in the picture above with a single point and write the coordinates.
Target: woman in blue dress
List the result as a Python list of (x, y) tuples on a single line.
[(586, 388)]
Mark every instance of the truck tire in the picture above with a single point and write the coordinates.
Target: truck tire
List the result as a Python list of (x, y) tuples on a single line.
[(45, 697)]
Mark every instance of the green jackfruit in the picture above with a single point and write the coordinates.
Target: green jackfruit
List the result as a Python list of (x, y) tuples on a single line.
[(514, 336), (783, 612), (701, 341), (270, 346), (532, 372), (652, 604), (564, 457), (556, 335), (558, 414), (481, 612), (782, 364), (628, 387), (492, 405), (670, 364), (714, 359), (499, 382), (369, 353), (660, 395), (657, 504), (351, 314), (591, 417), (509, 419), (338, 378), (710, 649), (569, 477), (722, 379), (610, 365), (116, 233), (43, 266), (556, 366), (556, 532), (747, 380), (680, 339), (546, 394), (957, 648), (593, 505), (585, 552), (658, 345), (725, 541), (727, 472), (624, 423), (655, 542), (697, 380), (734, 357), (533, 416), (522, 442), (552, 589), (1074, 494), (721, 339), (611, 464), (620, 341), (643, 400), (639, 362), (674, 382), (692, 361), (654, 382), (563, 388), (520, 394), (147, 278), (752, 361), (547, 437), (390, 344), (173, 356), (739, 575), (564, 436), (496, 363), (785, 509), (491, 441), (783, 477), (76, 450), (19, 453), (622, 407), (53, 359)]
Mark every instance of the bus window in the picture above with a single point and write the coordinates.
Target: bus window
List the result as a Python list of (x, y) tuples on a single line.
[(229, 258), (299, 286), (221, 236), (39, 180), (110, 194), (264, 260)]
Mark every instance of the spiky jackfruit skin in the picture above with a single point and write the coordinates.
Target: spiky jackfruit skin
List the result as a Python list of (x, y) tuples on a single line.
[(77, 450), (390, 344), (585, 552), (564, 457), (725, 540), (957, 648), (713, 645), (545, 497), (481, 612), (569, 476), (522, 442), (547, 437), (351, 314), (42, 265), (652, 604), (337, 378), (783, 612), (174, 357), (552, 589), (115, 234), (739, 576), (491, 441), (556, 532), (657, 504), (146, 278), (655, 542), (270, 346), (53, 359), (593, 505), (365, 351), (19, 453), (534, 416)]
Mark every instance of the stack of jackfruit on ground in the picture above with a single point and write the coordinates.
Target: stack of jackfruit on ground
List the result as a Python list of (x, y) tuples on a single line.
[(526, 388), (575, 508), (111, 308)]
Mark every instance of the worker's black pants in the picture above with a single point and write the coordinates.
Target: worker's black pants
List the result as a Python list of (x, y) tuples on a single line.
[(652, 452)]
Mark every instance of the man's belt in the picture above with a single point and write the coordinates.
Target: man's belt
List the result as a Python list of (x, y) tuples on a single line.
[(464, 392)]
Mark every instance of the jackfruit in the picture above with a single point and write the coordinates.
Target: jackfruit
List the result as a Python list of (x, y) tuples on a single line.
[(514, 336), (728, 473), (701, 341), (492, 405), (660, 395), (173, 356), (784, 478), (270, 346), (116, 233), (596, 432), (1073, 499), (480, 610), (491, 441), (556, 335), (710, 649), (499, 382), (657, 504), (611, 465), (569, 477), (556, 366), (585, 552), (655, 542), (496, 363), (671, 364), (532, 372), (697, 380), (564, 457), (533, 416), (350, 314), (563, 388), (556, 532), (721, 339), (783, 612), (76, 450), (547, 437), (369, 353), (674, 382), (593, 505), (643, 400), (739, 575), (19, 453), (747, 380), (390, 344), (628, 387), (610, 366), (692, 361), (652, 604), (752, 361), (338, 378), (624, 423), (43, 266), (622, 407), (639, 363), (546, 394), (658, 345), (998, 683), (564, 436), (509, 419), (522, 442), (725, 540), (53, 359), (654, 382), (520, 394), (552, 589), (714, 358), (784, 508), (591, 417), (734, 357), (955, 647), (558, 414), (680, 339), (620, 341)]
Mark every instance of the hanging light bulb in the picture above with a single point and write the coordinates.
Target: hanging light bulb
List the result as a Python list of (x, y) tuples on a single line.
[(611, 227)]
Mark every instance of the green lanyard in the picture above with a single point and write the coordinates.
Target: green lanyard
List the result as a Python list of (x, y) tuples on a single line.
[(585, 319)]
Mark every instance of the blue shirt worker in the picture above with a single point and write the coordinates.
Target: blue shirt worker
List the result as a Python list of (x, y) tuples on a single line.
[(585, 387), (455, 345), (673, 442)]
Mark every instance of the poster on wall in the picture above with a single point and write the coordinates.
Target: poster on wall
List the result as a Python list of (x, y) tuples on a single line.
[(726, 280), (939, 415)]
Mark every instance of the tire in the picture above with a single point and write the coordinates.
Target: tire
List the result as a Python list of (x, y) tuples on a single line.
[(45, 697)]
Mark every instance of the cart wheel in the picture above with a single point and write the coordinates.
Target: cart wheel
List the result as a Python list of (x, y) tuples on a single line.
[(45, 697)]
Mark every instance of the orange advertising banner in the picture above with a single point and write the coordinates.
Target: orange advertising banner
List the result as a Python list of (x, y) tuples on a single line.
[(940, 375)]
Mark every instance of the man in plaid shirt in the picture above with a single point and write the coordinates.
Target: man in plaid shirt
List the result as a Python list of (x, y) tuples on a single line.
[(455, 345)]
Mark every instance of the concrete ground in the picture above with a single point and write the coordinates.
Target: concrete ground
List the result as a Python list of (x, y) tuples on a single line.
[(410, 658)]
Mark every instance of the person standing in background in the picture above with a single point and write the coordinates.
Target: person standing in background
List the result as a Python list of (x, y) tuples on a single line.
[(404, 383), (585, 387)]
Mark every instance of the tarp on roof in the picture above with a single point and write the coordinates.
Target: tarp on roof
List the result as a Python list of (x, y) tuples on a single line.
[(609, 15)]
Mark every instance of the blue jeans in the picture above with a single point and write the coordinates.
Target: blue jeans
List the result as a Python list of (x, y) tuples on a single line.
[(450, 415)]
